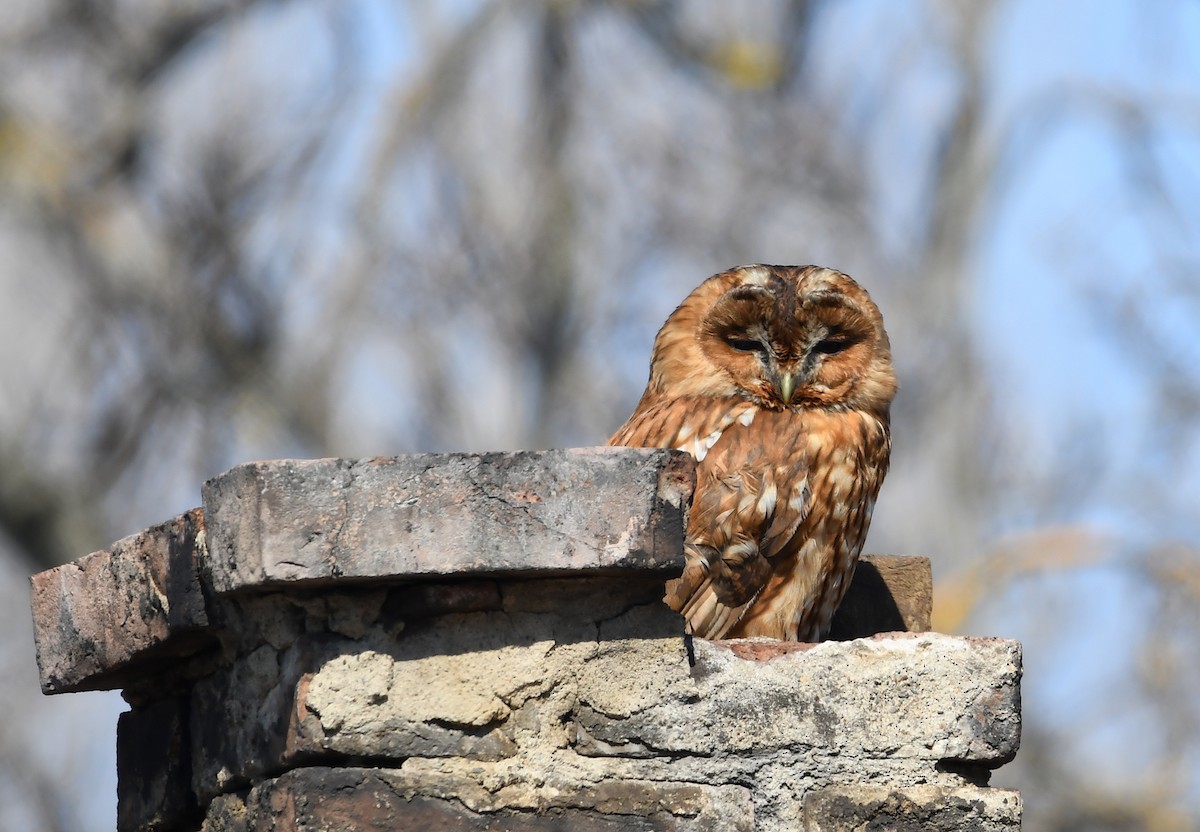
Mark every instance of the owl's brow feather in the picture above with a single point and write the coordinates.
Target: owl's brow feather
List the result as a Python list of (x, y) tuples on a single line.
[(851, 314), (751, 292), (828, 297)]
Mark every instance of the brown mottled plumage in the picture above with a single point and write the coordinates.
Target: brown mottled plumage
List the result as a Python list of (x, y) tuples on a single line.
[(778, 379)]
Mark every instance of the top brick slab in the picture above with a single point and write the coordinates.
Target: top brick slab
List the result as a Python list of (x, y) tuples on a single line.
[(591, 510), (451, 525), (111, 615)]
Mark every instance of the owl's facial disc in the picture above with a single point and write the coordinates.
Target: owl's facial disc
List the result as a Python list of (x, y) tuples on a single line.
[(785, 338)]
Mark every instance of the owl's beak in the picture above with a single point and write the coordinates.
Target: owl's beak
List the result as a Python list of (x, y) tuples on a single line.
[(787, 386)]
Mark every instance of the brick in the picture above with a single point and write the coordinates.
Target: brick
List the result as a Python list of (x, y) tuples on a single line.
[(239, 719), (320, 698), (282, 523), (226, 813), (912, 809), (104, 618), (154, 776), (903, 696), (380, 800), (889, 593)]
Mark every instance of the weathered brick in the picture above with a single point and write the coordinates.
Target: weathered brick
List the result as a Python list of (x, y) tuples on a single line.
[(226, 813), (914, 696), (374, 800), (889, 593), (153, 765), (279, 523), (331, 699), (912, 809), (239, 718), (100, 620)]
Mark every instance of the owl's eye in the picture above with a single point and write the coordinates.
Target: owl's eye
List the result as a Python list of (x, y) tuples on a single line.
[(747, 345), (832, 345)]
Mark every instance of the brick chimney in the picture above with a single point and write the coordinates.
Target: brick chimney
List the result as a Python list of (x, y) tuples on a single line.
[(469, 642)]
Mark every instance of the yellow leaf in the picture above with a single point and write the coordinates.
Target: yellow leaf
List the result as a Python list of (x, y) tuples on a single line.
[(749, 65)]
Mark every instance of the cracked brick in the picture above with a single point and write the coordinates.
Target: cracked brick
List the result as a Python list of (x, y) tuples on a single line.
[(288, 522)]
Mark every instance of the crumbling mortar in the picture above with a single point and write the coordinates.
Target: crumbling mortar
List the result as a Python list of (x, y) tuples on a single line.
[(637, 605)]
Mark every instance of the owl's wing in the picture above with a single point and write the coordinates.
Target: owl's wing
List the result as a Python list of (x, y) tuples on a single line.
[(751, 496)]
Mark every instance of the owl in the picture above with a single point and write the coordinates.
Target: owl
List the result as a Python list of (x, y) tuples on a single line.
[(778, 380)]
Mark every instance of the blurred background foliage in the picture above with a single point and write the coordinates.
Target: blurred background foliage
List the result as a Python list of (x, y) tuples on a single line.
[(237, 229)]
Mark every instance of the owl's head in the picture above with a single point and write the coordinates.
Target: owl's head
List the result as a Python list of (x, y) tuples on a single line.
[(784, 337)]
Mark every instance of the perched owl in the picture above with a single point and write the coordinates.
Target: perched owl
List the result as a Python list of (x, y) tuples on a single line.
[(778, 379)]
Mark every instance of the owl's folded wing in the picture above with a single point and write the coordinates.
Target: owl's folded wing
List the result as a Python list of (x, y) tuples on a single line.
[(751, 497), (742, 518)]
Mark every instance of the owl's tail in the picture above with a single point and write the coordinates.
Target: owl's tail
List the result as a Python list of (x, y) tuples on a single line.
[(704, 613)]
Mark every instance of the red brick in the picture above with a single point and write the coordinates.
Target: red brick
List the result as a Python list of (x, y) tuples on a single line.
[(99, 619)]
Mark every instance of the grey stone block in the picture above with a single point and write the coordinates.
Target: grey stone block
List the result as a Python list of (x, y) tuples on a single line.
[(902, 696), (590, 510)]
